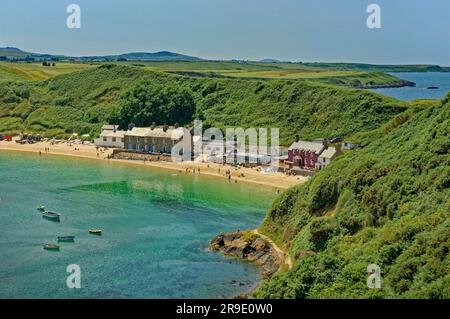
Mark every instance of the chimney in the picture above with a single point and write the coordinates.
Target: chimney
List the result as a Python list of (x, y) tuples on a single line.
[(165, 128), (130, 126), (152, 127), (114, 128), (325, 142), (176, 125), (297, 138)]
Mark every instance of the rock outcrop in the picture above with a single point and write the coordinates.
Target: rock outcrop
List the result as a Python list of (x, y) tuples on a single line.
[(250, 247)]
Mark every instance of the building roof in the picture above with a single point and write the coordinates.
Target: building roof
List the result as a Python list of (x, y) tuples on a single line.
[(315, 147), (109, 127), (172, 133), (108, 133), (329, 153)]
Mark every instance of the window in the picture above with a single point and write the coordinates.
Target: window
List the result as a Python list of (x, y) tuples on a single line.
[(113, 139), (121, 140), (104, 139)]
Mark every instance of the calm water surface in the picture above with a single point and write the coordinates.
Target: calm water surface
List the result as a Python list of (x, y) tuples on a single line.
[(156, 224), (421, 91)]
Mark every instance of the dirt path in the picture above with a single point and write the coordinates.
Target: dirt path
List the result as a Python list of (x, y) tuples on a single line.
[(287, 257)]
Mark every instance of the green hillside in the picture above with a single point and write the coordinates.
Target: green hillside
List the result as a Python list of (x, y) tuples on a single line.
[(82, 101), (212, 69), (387, 204)]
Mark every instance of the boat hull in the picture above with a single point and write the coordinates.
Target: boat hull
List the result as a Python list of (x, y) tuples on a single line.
[(51, 216), (52, 247), (97, 232)]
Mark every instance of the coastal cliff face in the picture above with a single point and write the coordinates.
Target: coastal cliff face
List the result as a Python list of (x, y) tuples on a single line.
[(250, 247), (397, 84)]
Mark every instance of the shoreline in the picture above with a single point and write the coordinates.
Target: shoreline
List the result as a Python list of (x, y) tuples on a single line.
[(269, 253), (252, 246), (244, 175)]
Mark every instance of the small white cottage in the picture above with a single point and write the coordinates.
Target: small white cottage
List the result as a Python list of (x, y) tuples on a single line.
[(110, 137)]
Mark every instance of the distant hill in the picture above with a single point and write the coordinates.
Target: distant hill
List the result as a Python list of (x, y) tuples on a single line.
[(12, 50), (144, 56), (13, 53), (269, 60), (18, 55)]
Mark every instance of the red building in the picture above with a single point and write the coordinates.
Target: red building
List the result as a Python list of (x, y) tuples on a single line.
[(305, 154)]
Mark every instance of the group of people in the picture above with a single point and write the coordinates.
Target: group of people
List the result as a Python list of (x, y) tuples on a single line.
[(188, 169), (289, 172), (46, 150)]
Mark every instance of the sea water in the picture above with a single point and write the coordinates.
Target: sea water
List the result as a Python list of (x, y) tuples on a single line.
[(423, 81), (156, 224)]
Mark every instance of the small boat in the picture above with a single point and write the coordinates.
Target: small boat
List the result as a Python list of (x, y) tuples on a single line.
[(95, 231), (41, 208), (51, 216), (51, 246), (66, 238)]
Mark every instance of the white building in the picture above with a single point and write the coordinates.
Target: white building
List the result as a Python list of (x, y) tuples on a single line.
[(110, 137), (348, 145), (326, 157), (154, 139)]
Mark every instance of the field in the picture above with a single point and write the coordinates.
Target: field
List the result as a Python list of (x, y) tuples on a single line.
[(212, 69), (36, 71)]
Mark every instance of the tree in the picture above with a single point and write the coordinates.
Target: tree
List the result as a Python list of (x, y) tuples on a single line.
[(147, 102)]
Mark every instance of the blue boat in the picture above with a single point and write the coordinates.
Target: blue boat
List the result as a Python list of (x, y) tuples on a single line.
[(66, 238)]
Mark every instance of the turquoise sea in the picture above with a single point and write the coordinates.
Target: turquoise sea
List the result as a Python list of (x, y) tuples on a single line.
[(156, 228), (423, 80)]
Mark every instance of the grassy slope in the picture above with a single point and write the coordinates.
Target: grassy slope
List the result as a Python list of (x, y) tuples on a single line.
[(386, 204), (81, 101), (35, 71), (350, 78)]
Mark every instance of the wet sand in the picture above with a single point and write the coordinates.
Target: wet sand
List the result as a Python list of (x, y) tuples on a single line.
[(250, 175)]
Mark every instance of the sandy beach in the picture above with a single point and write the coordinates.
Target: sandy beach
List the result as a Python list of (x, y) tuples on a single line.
[(247, 175)]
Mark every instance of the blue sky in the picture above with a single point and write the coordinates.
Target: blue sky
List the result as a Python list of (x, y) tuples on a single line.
[(413, 31)]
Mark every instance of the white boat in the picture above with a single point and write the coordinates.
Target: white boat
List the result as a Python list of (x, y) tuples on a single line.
[(95, 231)]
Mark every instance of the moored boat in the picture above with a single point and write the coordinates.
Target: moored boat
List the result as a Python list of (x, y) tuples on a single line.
[(51, 216), (51, 246), (66, 238), (95, 231), (40, 208)]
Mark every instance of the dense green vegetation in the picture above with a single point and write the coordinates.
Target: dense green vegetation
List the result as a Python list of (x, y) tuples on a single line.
[(386, 204), (146, 103), (82, 101)]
